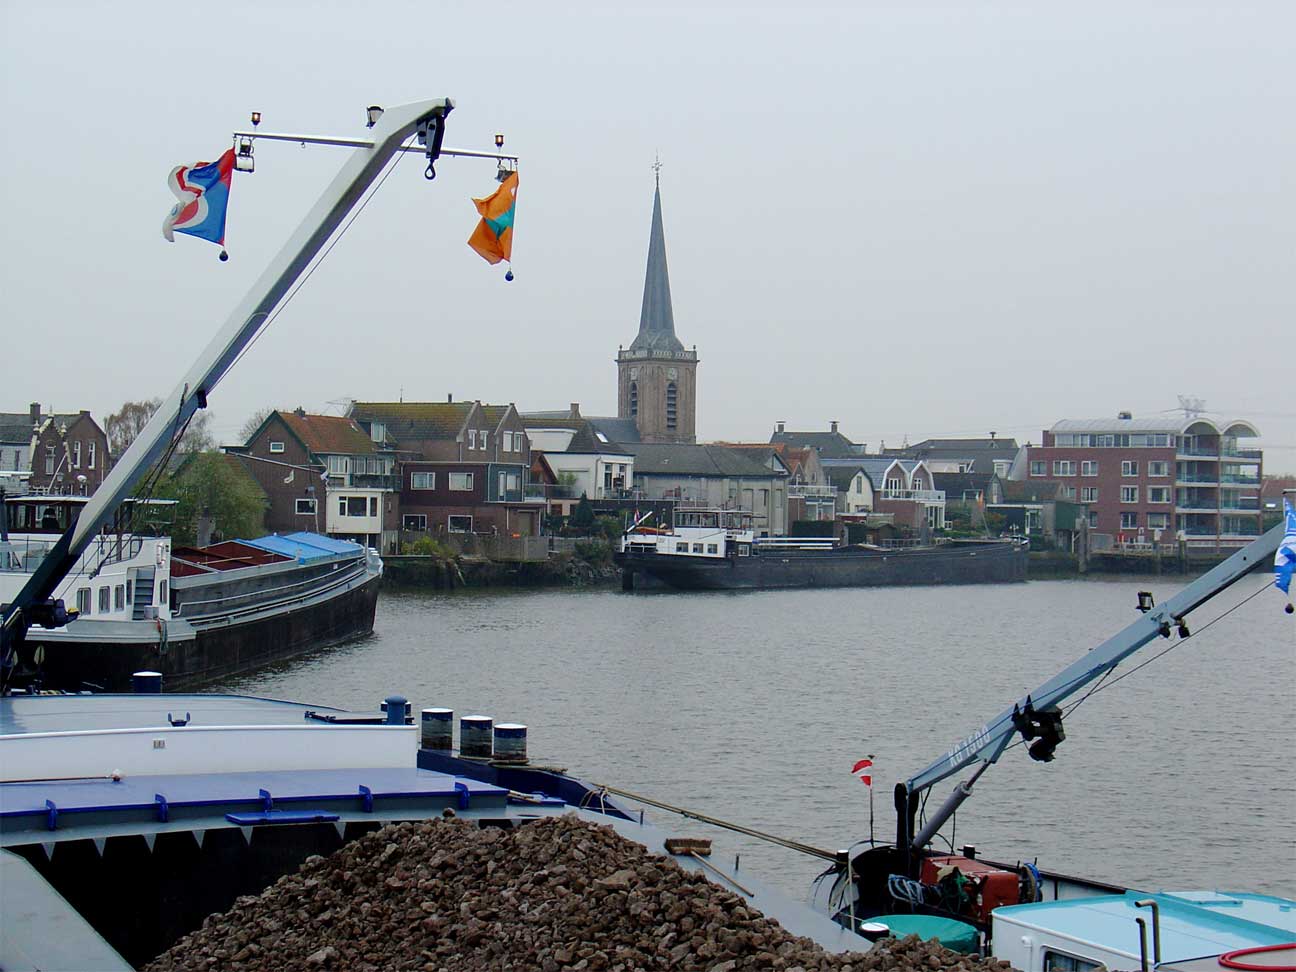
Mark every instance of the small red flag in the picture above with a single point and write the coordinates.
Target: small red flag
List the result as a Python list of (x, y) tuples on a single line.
[(864, 764)]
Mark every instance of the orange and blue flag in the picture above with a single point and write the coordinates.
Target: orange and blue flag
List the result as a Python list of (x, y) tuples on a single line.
[(493, 237), (203, 190)]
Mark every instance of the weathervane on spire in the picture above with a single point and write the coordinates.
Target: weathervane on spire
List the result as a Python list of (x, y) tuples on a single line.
[(656, 167)]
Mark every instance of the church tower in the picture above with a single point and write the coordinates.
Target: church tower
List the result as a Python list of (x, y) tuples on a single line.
[(656, 377)]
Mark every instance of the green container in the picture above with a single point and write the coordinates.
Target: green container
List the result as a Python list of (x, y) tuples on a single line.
[(957, 936)]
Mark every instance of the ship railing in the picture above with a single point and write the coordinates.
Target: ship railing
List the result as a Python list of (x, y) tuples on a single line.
[(259, 600)]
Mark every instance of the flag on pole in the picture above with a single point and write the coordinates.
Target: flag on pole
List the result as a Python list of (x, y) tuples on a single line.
[(1285, 558), (866, 776), (493, 237), (203, 190)]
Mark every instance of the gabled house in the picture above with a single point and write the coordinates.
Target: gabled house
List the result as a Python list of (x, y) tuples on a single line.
[(465, 467), (829, 445), (717, 477), (901, 487), (584, 460), (64, 453), (323, 473)]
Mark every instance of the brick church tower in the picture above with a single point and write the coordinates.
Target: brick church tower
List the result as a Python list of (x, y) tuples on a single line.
[(656, 377)]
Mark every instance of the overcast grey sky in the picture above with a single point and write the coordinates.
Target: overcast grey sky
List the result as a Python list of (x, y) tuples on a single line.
[(918, 219)]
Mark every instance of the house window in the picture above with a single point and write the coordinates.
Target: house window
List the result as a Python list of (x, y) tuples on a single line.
[(423, 480), (342, 506), (1129, 467), (373, 505), (1158, 521), (119, 597), (305, 507), (105, 599), (459, 524), (49, 460), (1093, 519), (1064, 467), (671, 405), (472, 438), (1129, 521), (1129, 494), (414, 521), (1158, 494), (1038, 467), (1089, 494), (1158, 469), (83, 600), (355, 505), (634, 398), (276, 447), (484, 438), (507, 445), (377, 432), (1089, 468), (1068, 492), (91, 447), (76, 455), (340, 466), (461, 482)]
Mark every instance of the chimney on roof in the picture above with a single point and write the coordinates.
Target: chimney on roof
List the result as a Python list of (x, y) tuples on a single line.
[(449, 399), (1125, 416), (832, 426), (299, 412), (34, 412), (574, 410), (778, 427)]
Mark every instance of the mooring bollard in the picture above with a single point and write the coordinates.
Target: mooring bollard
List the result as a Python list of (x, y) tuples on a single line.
[(438, 729), (475, 736), (510, 742), (397, 709)]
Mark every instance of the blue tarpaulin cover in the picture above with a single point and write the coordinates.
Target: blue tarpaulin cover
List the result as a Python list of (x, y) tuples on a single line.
[(305, 547)]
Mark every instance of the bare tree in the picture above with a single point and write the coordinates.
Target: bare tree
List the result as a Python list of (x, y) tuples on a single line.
[(254, 422), (124, 425)]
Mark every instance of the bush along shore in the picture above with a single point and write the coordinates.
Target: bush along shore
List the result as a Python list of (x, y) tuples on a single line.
[(560, 893), (429, 563)]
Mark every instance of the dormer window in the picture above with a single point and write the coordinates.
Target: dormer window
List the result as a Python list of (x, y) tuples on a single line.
[(276, 447), (378, 432)]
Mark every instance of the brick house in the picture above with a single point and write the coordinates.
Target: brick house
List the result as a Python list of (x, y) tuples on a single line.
[(1151, 480), (324, 474), (66, 453), (465, 467)]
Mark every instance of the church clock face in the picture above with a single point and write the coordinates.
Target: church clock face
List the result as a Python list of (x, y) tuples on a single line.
[(671, 374), (634, 374)]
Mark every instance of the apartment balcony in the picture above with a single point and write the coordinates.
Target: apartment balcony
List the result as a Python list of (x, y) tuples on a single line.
[(916, 495), (1250, 455), (812, 491), (1240, 506), (1197, 480), (1236, 480), (1196, 452)]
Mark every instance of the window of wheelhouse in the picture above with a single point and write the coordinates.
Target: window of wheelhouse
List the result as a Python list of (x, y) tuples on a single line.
[(634, 398), (671, 405)]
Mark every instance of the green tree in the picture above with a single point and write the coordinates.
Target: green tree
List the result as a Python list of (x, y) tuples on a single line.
[(211, 481), (582, 518)]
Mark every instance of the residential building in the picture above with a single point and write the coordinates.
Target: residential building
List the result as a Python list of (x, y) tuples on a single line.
[(990, 456), (901, 487), (1154, 479), (325, 474), (714, 476), (64, 453), (656, 376), (811, 494), (829, 445), (583, 459), (465, 467)]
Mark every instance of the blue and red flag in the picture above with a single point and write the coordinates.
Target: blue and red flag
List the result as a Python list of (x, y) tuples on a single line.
[(203, 190), (1285, 558)]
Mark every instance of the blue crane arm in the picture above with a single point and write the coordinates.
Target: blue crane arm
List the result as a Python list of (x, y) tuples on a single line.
[(988, 743)]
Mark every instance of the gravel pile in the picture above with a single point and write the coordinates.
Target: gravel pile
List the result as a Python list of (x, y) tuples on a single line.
[(556, 894)]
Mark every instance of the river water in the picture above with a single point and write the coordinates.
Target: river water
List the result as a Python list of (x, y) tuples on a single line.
[(753, 707)]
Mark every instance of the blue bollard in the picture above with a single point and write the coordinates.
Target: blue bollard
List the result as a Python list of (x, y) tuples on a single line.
[(146, 683), (396, 708)]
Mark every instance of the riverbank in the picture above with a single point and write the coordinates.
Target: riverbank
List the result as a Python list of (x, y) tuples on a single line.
[(448, 573)]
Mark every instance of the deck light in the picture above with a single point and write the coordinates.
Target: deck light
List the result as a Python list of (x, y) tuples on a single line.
[(499, 140), (373, 113), (256, 119), (1145, 601), (243, 161)]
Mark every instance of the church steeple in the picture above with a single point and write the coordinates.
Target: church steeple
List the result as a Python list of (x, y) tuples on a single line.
[(657, 318), (656, 377)]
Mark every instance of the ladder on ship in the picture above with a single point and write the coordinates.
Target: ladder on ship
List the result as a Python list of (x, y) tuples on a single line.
[(142, 595)]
